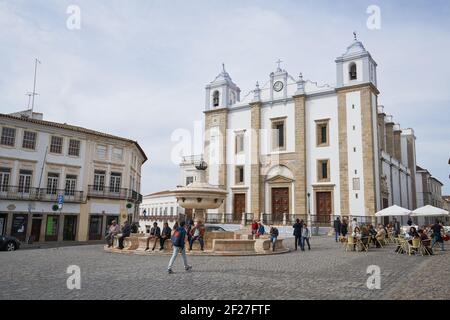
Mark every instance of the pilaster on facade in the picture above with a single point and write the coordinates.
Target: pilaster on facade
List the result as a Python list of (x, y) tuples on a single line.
[(299, 171), (216, 124), (256, 187)]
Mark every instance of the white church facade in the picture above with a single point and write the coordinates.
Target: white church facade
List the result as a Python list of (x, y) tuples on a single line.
[(292, 148)]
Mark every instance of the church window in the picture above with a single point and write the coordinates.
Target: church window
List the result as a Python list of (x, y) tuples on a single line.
[(240, 142), (239, 174), (323, 170), (216, 98), (279, 134), (353, 73), (322, 133)]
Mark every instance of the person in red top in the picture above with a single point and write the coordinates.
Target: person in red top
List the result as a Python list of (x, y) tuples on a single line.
[(254, 227)]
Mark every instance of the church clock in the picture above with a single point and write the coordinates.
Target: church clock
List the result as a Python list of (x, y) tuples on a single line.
[(278, 86)]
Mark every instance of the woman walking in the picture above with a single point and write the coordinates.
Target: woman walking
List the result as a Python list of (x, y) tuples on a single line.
[(306, 235)]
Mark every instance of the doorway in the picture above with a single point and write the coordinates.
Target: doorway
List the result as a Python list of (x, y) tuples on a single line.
[(19, 226), (95, 227), (70, 228), (36, 229), (280, 204), (2, 224), (238, 206), (51, 230), (323, 207)]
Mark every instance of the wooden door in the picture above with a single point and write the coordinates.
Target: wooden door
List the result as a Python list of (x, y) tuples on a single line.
[(95, 227), (36, 229), (70, 227), (238, 206), (280, 203), (323, 207)]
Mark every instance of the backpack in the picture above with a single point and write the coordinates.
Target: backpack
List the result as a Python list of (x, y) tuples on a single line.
[(177, 240)]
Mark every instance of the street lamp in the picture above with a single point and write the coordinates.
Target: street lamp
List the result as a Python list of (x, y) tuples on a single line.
[(308, 218)]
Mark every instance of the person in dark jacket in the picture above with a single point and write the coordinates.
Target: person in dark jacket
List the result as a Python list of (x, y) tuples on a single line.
[(337, 228), (126, 231), (273, 236), (437, 236), (179, 247), (298, 225), (155, 234), (410, 222), (396, 226), (344, 227), (165, 234)]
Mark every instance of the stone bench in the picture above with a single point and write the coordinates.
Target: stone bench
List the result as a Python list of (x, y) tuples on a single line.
[(131, 243), (230, 245), (263, 245), (146, 243)]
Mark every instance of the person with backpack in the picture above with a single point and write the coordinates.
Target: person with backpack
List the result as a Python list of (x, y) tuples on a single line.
[(273, 236), (261, 230), (178, 243)]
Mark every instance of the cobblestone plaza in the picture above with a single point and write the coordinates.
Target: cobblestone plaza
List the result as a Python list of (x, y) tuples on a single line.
[(325, 272)]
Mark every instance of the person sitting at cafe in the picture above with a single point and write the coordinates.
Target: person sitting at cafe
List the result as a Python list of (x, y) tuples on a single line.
[(372, 234), (155, 234), (426, 241), (365, 235), (380, 236), (413, 233), (356, 234)]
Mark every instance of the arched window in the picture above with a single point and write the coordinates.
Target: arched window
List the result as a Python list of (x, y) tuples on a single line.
[(353, 73), (216, 98)]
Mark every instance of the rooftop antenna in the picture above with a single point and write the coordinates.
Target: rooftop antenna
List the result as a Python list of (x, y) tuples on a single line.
[(33, 94), (29, 94), (355, 36)]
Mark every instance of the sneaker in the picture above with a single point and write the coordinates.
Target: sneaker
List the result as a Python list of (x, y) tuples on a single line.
[(161, 249), (169, 271), (188, 268)]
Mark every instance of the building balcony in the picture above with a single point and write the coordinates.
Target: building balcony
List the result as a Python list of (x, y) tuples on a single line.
[(39, 194), (114, 193)]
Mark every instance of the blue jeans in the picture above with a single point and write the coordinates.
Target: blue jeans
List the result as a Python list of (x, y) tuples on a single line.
[(337, 234), (191, 242), (302, 243), (435, 239), (176, 250), (273, 240)]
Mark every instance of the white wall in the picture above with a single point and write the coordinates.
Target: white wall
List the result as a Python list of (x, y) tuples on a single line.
[(355, 158), (320, 108)]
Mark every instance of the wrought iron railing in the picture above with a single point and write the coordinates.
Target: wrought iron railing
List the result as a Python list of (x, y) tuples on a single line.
[(39, 194), (97, 191)]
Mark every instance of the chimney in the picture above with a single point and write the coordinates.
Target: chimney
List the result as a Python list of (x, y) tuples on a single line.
[(389, 136), (398, 143)]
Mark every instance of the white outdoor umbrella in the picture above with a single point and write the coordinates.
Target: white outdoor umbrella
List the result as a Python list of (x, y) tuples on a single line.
[(429, 211), (393, 211)]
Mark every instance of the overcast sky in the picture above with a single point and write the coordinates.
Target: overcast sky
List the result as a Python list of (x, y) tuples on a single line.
[(138, 68)]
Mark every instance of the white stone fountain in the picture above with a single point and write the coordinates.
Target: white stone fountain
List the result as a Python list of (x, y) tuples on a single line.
[(200, 195)]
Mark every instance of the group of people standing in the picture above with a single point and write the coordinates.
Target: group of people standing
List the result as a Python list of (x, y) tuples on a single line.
[(302, 234)]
